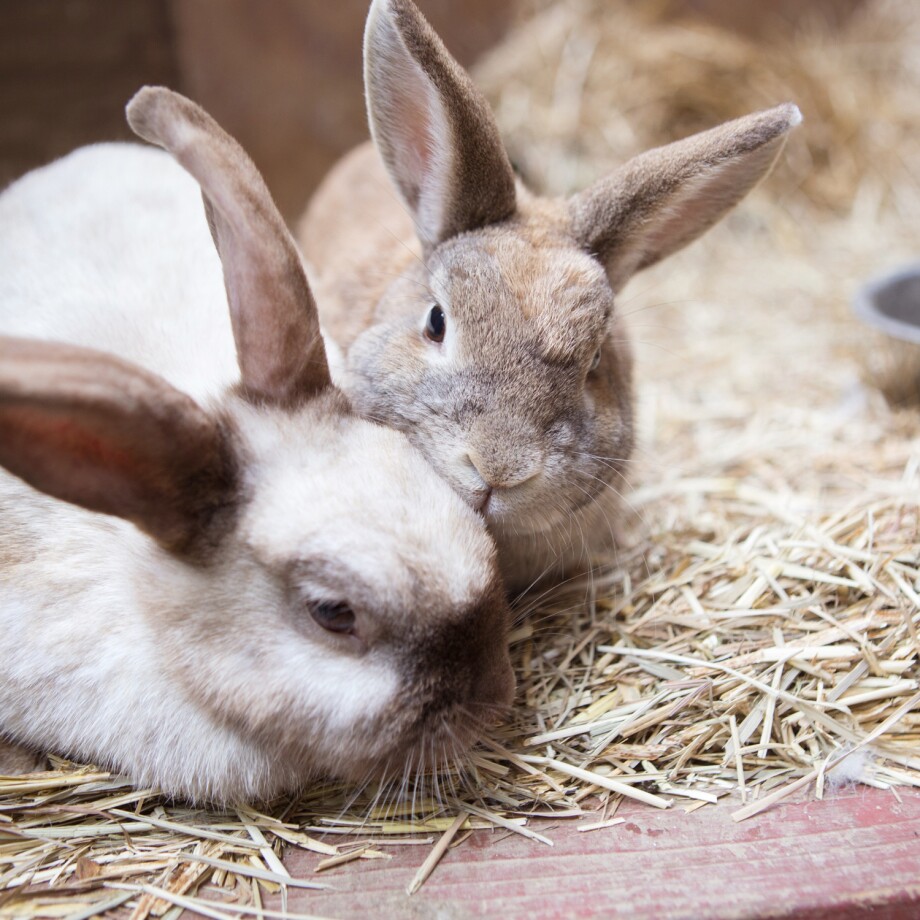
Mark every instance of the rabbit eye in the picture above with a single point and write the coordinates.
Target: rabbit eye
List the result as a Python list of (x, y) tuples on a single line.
[(337, 618), (436, 324), (596, 360)]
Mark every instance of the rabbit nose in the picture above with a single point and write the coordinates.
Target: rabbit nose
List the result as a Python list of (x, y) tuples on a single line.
[(501, 473)]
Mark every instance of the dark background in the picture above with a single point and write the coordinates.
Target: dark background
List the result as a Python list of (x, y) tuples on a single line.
[(283, 76)]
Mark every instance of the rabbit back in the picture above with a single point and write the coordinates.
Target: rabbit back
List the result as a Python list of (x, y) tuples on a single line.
[(107, 248), (357, 239)]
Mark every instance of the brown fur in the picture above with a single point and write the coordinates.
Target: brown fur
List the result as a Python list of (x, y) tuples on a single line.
[(356, 267), (474, 645), (91, 429), (282, 359), (657, 187), (482, 182), (526, 407)]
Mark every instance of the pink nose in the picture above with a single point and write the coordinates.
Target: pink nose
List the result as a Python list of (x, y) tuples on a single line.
[(500, 474)]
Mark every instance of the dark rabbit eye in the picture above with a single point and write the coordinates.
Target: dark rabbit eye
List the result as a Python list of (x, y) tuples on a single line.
[(436, 324), (596, 360), (337, 618)]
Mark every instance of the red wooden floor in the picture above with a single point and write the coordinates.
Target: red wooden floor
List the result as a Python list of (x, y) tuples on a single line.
[(856, 855)]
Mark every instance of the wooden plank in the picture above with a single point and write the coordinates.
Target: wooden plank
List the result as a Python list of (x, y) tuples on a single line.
[(854, 856)]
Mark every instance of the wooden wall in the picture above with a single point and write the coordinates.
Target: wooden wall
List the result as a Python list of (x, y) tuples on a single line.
[(67, 67), (283, 76)]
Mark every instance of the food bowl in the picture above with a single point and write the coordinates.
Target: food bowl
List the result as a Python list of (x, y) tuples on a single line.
[(891, 304)]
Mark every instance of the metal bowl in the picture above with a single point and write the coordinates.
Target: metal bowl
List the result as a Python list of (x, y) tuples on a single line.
[(891, 304)]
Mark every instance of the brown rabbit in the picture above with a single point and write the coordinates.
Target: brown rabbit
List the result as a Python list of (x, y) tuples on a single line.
[(480, 319)]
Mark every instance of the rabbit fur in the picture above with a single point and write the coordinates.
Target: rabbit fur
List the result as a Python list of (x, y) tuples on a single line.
[(214, 577), (526, 406)]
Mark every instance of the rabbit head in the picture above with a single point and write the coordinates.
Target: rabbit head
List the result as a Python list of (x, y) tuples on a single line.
[(501, 352), (300, 594)]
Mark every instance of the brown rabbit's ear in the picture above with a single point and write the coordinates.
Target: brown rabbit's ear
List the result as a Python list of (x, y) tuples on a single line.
[(433, 128), (661, 200), (275, 324), (93, 430)]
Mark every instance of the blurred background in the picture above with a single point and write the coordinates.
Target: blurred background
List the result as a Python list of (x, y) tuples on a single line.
[(285, 76), (578, 86)]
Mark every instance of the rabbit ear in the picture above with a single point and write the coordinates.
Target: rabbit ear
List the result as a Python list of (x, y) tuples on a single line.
[(661, 200), (96, 431), (279, 347), (433, 128)]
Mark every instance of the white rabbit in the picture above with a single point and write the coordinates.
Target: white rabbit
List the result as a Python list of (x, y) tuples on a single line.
[(481, 319), (258, 587)]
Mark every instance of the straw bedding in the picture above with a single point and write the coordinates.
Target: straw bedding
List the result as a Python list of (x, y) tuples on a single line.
[(758, 633)]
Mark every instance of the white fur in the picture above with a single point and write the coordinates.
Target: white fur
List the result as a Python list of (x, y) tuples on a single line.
[(204, 680), (394, 492), (126, 265)]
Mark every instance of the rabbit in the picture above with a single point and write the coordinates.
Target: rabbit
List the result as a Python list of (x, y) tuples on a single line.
[(215, 577), (481, 319)]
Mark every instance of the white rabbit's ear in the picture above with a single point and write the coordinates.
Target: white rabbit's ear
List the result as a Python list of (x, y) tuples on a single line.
[(661, 200), (275, 323), (88, 428), (433, 128)]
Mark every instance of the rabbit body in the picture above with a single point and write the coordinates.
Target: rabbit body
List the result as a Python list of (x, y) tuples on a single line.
[(104, 661), (125, 265), (276, 590), (481, 319), (496, 388)]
